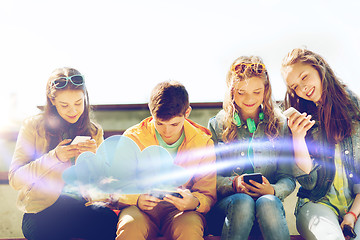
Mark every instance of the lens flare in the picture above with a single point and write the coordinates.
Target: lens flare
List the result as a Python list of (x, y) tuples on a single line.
[(120, 168)]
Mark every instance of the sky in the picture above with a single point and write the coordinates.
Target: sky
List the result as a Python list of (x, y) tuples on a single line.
[(124, 48)]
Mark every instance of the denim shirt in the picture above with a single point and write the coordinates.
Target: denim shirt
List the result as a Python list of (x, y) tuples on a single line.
[(316, 184), (271, 158)]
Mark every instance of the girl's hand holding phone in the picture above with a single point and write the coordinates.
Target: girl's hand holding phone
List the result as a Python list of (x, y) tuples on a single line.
[(65, 152), (298, 123), (238, 184), (259, 189), (87, 146)]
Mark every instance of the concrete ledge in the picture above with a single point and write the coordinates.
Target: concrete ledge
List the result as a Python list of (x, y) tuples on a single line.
[(10, 226)]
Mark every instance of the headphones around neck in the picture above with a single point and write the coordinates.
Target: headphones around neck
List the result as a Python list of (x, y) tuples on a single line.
[(249, 122)]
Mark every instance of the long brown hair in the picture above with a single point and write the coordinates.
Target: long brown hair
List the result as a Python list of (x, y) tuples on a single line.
[(55, 126), (335, 109), (229, 106)]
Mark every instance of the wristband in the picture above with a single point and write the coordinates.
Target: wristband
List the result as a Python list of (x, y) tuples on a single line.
[(352, 213)]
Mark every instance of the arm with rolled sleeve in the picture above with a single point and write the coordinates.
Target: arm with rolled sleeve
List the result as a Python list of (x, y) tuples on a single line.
[(285, 184), (307, 180)]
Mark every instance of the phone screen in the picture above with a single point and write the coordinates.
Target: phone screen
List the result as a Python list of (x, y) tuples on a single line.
[(257, 177)]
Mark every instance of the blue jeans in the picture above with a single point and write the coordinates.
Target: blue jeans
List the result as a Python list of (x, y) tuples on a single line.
[(236, 215), (315, 221)]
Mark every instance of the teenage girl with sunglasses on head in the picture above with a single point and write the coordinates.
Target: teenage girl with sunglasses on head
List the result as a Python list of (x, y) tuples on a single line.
[(249, 133), (43, 152), (326, 139)]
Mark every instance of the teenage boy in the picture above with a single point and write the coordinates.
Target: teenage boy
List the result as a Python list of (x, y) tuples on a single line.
[(168, 126)]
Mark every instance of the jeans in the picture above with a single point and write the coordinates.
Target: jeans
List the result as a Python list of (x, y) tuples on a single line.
[(68, 218), (317, 221), (235, 215)]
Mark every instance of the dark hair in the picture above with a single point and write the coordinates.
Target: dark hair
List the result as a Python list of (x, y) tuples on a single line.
[(56, 128), (169, 99), (335, 109)]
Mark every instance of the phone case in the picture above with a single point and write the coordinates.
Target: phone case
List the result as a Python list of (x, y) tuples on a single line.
[(79, 139)]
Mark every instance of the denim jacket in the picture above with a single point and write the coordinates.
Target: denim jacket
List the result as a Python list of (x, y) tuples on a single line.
[(317, 183), (271, 158)]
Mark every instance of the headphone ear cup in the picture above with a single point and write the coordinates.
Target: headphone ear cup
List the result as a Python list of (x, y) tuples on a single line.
[(251, 125), (236, 119)]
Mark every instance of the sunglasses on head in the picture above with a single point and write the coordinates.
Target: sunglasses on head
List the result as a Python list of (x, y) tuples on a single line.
[(256, 68), (61, 82)]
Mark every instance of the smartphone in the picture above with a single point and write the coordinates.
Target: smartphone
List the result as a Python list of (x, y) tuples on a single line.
[(79, 139), (290, 111), (349, 231), (257, 177), (160, 194)]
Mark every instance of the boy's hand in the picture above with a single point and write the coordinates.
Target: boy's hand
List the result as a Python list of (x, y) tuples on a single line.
[(147, 202), (188, 202)]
